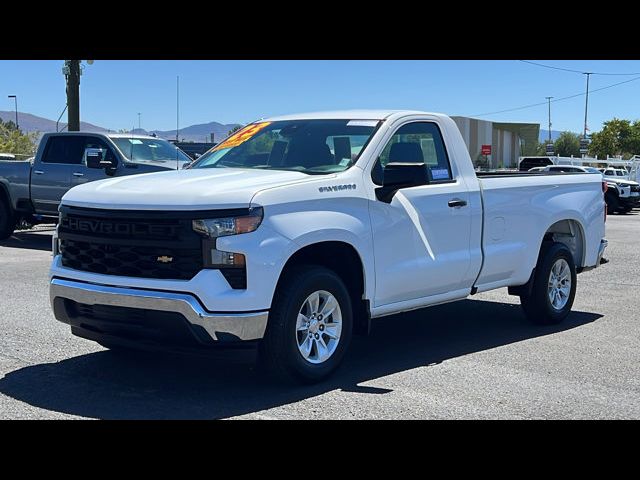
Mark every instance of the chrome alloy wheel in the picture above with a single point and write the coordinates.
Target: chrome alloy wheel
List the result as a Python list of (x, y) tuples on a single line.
[(318, 327), (559, 286)]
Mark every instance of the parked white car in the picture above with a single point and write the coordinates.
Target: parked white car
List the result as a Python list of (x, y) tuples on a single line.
[(628, 191), (298, 230), (618, 173)]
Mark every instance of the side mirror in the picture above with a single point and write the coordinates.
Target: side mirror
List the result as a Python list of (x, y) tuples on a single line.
[(399, 175), (99, 158)]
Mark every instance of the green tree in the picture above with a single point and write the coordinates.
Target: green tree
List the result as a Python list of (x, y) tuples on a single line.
[(540, 150), (14, 141), (567, 144), (617, 137)]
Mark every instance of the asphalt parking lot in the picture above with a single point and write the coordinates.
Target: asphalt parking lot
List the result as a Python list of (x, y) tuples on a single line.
[(473, 359)]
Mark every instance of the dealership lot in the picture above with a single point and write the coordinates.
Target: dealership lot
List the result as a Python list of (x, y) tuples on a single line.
[(473, 359)]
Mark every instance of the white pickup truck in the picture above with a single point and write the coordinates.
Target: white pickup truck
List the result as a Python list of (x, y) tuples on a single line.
[(295, 232)]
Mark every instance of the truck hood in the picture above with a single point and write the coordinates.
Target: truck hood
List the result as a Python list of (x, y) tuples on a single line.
[(197, 189), (621, 181)]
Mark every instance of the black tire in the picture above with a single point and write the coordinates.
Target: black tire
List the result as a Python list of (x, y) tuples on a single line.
[(537, 305), (626, 209), (7, 219), (279, 349), (613, 203)]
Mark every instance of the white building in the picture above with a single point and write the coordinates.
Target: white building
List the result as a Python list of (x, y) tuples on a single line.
[(508, 141)]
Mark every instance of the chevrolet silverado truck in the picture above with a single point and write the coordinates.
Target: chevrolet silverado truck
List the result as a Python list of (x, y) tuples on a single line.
[(30, 191), (297, 231)]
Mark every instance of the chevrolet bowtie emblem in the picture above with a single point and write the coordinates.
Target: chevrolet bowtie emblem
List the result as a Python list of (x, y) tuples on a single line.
[(165, 259)]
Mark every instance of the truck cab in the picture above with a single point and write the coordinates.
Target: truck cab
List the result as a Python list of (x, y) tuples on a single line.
[(30, 191), (66, 160)]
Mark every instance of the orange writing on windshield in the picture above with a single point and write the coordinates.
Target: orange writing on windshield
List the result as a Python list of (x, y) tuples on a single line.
[(241, 136)]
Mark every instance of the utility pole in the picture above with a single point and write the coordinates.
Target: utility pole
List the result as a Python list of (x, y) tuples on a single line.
[(586, 106), (72, 73), (177, 107), (549, 100)]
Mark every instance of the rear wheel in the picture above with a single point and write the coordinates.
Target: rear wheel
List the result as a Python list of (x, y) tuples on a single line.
[(554, 286), (310, 325), (7, 220)]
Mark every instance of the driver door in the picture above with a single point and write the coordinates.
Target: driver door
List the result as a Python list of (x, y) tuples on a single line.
[(82, 173), (421, 236)]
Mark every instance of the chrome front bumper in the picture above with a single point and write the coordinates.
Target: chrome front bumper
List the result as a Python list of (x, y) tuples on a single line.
[(241, 326)]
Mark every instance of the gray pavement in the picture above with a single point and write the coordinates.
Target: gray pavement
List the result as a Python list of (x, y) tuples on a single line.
[(473, 359)]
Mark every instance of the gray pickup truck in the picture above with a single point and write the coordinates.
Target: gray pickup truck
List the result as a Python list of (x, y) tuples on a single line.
[(31, 190)]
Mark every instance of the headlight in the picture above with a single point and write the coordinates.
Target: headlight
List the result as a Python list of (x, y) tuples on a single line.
[(222, 227)]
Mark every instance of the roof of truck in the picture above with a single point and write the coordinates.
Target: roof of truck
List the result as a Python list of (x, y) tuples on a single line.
[(106, 134), (348, 115), (131, 135)]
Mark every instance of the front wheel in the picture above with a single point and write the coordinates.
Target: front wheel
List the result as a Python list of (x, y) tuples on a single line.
[(554, 286), (310, 325)]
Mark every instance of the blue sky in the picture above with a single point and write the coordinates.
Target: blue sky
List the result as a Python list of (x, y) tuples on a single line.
[(113, 92)]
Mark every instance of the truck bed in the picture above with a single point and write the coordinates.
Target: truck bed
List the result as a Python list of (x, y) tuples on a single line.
[(515, 213)]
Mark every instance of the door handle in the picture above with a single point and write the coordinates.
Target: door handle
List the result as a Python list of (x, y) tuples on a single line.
[(38, 172), (457, 203), (78, 174)]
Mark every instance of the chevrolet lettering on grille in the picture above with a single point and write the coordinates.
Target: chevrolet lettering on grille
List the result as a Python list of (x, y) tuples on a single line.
[(165, 259), (117, 228)]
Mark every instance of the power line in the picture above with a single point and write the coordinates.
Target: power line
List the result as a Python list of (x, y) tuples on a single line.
[(575, 71), (557, 100)]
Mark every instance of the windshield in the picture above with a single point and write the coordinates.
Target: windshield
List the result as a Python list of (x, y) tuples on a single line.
[(149, 150), (592, 170), (308, 146)]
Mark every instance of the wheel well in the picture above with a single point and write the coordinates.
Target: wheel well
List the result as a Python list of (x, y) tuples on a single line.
[(570, 233), (4, 195), (6, 199), (344, 260)]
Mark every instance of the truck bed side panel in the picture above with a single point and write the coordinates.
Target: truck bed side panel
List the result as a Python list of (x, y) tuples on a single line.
[(520, 210)]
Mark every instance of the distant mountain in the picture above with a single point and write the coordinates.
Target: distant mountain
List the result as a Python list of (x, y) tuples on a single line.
[(544, 135), (33, 123), (199, 133), (193, 133)]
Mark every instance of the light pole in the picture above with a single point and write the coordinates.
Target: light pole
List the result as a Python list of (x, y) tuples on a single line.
[(549, 100), (139, 120), (586, 106), (15, 99)]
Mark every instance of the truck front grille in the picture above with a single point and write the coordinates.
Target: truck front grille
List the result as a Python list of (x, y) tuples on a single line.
[(149, 244), (131, 261), (635, 188)]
